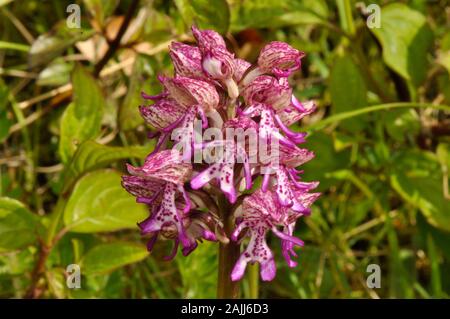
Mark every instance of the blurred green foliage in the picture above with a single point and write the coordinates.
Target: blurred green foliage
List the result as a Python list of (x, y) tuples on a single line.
[(68, 124)]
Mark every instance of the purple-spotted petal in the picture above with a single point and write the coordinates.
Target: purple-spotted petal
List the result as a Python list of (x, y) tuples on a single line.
[(262, 205), (283, 188), (163, 113), (268, 90), (141, 187), (279, 59), (188, 92), (224, 173), (207, 39), (291, 114), (187, 60), (240, 67), (294, 156), (166, 165)]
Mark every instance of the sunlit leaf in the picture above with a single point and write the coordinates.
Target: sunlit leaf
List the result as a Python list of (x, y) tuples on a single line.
[(82, 118), (406, 39), (327, 159), (400, 123), (417, 177), (50, 45), (444, 60), (18, 226), (108, 257), (56, 73), (275, 14), (348, 91), (199, 273), (142, 79), (101, 9), (91, 155), (57, 282), (206, 14), (99, 203)]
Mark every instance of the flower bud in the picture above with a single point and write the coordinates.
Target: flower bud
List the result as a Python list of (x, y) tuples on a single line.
[(187, 60), (166, 165), (208, 39), (240, 67), (163, 113), (219, 65), (189, 92), (279, 59)]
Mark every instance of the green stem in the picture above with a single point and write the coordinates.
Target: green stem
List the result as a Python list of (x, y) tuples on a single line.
[(55, 220), (29, 169), (374, 108), (228, 255), (46, 247), (253, 276), (14, 46), (345, 16)]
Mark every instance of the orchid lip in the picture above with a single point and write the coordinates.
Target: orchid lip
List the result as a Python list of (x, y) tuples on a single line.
[(161, 140), (265, 182), (297, 104), (174, 251), (284, 236), (296, 137), (151, 242)]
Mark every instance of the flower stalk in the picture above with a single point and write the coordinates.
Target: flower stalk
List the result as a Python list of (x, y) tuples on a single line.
[(228, 255)]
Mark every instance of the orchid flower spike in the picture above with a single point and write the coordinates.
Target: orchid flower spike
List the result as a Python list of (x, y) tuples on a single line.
[(185, 177)]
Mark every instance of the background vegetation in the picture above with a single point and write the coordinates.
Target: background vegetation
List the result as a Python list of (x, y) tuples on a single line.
[(69, 121)]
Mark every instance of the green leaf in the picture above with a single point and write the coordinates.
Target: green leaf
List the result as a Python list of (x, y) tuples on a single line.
[(101, 9), (327, 159), (205, 14), (417, 178), (57, 282), (143, 78), (348, 91), (444, 60), (82, 118), (400, 123), (52, 44), (276, 14), (91, 155), (99, 203), (199, 273), (105, 258), (4, 2), (440, 238), (406, 38), (18, 226), (55, 74), (443, 154)]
